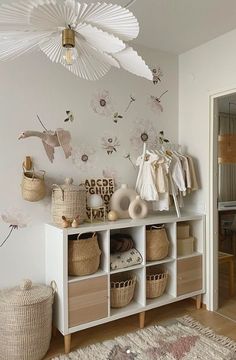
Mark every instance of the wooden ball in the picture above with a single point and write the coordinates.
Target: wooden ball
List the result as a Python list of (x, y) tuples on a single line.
[(112, 215)]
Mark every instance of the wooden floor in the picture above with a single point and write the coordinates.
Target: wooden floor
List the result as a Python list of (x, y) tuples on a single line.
[(227, 303), (219, 324)]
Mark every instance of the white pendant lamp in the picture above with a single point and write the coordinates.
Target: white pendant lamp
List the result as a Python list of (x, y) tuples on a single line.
[(88, 39)]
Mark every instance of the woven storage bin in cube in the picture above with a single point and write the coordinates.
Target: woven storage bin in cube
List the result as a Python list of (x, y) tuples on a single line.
[(122, 289), (84, 255), (183, 230), (70, 201), (157, 243), (156, 281), (25, 321)]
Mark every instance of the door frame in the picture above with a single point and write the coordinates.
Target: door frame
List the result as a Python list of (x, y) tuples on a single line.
[(212, 247)]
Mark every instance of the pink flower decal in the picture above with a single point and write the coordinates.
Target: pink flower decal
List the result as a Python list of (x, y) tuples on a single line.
[(16, 219), (101, 103), (142, 132), (110, 143), (155, 102), (84, 157)]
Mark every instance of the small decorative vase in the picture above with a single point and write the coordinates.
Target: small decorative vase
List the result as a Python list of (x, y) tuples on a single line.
[(121, 199), (138, 208)]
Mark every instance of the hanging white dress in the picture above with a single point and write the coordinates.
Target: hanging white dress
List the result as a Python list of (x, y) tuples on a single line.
[(146, 181)]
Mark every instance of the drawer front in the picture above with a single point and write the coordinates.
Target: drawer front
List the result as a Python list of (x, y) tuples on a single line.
[(88, 300), (189, 275)]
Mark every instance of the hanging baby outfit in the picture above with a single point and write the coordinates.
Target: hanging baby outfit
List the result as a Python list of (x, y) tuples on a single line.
[(146, 184), (161, 176)]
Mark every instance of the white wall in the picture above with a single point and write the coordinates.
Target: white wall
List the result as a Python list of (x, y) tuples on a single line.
[(203, 71), (33, 85)]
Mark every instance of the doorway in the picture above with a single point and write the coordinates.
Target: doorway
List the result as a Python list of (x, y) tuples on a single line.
[(223, 203)]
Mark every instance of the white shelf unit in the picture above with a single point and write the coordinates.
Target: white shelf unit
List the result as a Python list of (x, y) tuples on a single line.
[(95, 304)]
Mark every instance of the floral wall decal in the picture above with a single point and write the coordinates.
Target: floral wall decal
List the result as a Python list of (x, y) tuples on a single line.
[(101, 103), (162, 139), (69, 116), (116, 117), (132, 99), (142, 132), (157, 74), (16, 220), (84, 157), (128, 157), (155, 102), (110, 143), (51, 140)]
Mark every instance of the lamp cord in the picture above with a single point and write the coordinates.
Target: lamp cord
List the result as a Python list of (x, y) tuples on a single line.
[(130, 3)]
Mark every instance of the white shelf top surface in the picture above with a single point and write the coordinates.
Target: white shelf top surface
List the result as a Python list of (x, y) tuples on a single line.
[(159, 218)]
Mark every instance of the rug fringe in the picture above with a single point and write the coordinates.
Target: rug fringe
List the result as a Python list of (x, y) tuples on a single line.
[(194, 324)]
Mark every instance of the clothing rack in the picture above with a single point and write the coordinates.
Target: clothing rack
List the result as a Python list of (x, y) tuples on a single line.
[(171, 181)]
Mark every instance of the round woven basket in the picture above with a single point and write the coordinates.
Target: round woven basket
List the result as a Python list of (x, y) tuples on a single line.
[(33, 186), (156, 282), (70, 201), (157, 243), (84, 255), (122, 289), (25, 321)]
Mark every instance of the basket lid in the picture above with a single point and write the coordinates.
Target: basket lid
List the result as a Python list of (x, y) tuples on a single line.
[(69, 186), (26, 294)]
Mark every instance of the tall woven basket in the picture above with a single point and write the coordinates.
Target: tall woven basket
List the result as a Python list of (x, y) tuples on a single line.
[(84, 255), (157, 243), (70, 201), (25, 321), (122, 289)]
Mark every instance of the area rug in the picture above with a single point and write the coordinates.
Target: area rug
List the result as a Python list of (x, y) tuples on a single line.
[(184, 339)]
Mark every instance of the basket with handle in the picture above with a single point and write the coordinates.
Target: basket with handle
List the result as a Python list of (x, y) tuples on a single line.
[(156, 281), (33, 186), (157, 243), (84, 255), (122, 289), (68, 200)]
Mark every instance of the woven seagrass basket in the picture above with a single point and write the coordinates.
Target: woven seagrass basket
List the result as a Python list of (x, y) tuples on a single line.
[(33, 185), (25, 321), (84, 255), (70, 201), (156, 282), (122, 289), (157, 243)]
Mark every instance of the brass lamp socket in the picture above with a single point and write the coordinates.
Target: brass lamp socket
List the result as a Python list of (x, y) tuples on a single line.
[(68, 38)]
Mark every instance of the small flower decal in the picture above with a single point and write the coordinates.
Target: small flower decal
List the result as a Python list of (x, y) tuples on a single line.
[(16, 220), (83, 157), (162, 139), (116, 117), (131, 101), (110, 143), (157, 74), (155, 102), (69, 116), (128, 157), (143, 132), (101, 103)]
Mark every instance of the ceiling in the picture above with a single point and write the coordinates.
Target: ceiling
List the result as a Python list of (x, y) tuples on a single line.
[(179, 25)]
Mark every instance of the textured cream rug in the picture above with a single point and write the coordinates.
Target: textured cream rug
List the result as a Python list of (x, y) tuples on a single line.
[(185, 339)]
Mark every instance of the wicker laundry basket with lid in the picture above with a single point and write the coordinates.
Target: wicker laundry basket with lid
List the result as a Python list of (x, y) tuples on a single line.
[(68, 200), (25, 321)]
